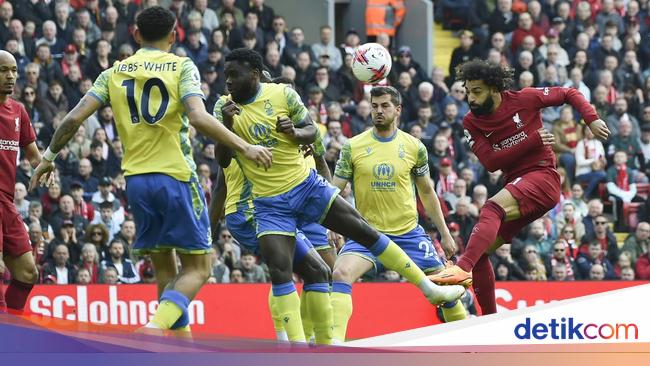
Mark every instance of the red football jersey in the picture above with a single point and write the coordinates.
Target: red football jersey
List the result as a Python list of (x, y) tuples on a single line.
[(15, 132), (507, 139)]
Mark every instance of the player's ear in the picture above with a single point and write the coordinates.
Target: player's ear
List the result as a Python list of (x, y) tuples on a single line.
[(172, 36), (137, 36)]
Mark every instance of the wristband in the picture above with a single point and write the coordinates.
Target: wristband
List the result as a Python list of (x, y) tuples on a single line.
[(49, 155)]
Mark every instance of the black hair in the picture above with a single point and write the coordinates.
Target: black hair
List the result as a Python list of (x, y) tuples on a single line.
[(155, 23), (395, 96), (493, 75), (249, 57)]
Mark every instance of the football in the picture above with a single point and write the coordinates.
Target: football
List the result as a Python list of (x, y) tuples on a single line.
[(372, 63)]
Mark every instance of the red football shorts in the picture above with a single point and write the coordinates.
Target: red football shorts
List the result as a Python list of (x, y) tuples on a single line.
[(14, 240), (537, 192)]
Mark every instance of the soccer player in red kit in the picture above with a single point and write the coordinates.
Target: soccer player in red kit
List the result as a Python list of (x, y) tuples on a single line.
[(15, 132), (504, 130)]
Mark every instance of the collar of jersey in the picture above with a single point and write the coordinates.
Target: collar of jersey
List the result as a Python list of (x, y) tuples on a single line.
[(150, 49), (252, 99), (384, 139)]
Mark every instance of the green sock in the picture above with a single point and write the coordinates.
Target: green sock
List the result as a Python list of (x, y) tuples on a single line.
[(393, 257), (288, 307), (307, 325), (166, 314), (342, 311), (320, 310), (456, 312)]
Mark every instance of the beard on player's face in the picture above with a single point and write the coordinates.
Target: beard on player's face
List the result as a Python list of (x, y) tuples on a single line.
[(484, 108)]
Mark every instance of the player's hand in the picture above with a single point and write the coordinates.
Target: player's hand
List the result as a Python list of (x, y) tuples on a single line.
[(599, 129), (334, 239), (285, 125), (448, 244), (228, 111), (42, 175), (260, 155), (547, 137)]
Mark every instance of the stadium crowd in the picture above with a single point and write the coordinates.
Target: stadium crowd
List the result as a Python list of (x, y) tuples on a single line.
[(80, 226)]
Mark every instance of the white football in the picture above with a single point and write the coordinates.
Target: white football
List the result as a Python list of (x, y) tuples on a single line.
[(372, 63)]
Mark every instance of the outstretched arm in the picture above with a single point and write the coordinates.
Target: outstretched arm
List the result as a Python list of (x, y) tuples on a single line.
[(218, 201), (69, 126)]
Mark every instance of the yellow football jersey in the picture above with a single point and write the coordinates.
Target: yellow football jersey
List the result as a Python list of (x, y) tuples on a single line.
[(382, 172), (146, 92), (238, 197), (257, 125)]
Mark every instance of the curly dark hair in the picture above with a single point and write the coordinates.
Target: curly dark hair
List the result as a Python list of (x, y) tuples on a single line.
[(246, 56), (493, 75), (155, 23)]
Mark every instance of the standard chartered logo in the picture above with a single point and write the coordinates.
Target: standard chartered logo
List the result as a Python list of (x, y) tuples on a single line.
[(383, 174)]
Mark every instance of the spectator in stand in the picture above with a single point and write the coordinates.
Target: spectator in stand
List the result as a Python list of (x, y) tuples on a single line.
[(21, 203), (39, 245), (619, 115), (459, 191), (463, 218), (85, 177), (597, 272), (220, 272), (576, 82), (361, 120), (326, 47), (638, 243), (406, 63), (465, 52), (532, 264), (296, 45), (560, 257), (90, 262), (125, 268), (110, 276), (567, 135), (525, 28), (334, 136), (81, 207), (55, 101), (570, 217), (621, 187), (97, 159), (537, 238), (331, 91), (603, 235), (253, 272), (457, 95), (50, 38), (577, 198), (83, 277), (237, 276), (624, 262), (409, 93), (503, 19), (84, 22), (58, 269), (427, 121), (97, 234), (36, 216), (590, 163)]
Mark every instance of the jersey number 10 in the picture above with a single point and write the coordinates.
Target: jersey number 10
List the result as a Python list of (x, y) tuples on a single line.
[(129, 84)]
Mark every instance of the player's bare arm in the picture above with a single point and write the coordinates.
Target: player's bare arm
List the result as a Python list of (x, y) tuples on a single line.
[(322, 168), (207, 125), (303, 133), (69, 126), (339, 182), (32, 154), (217, 202), (431, 203)]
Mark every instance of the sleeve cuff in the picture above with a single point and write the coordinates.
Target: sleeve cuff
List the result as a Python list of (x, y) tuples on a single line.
[(100, 99)]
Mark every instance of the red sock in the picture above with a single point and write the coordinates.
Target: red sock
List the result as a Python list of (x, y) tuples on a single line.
[(17, 294), (483, 284), (483, 235)]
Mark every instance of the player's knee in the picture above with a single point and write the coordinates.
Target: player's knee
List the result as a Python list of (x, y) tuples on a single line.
[(280, 275), (318, 272), (342, 274)]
